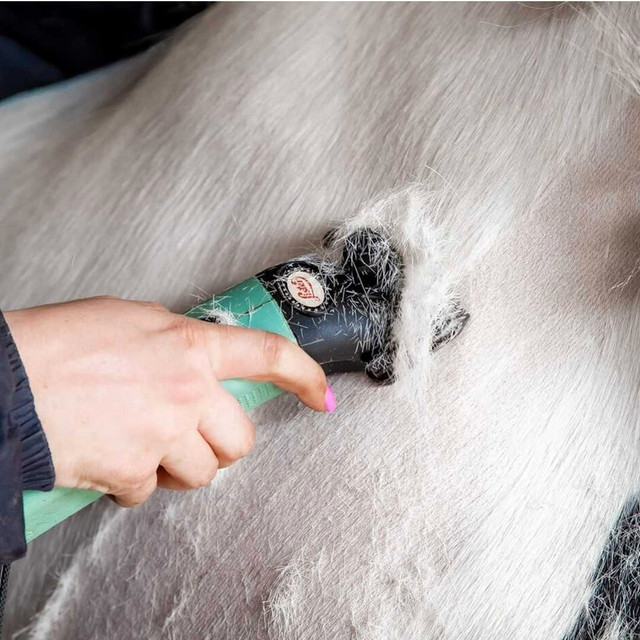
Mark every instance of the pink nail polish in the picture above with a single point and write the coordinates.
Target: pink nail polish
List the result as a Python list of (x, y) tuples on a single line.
[(330, 403)]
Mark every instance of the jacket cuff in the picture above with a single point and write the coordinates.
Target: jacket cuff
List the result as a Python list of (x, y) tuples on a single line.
[(37, 464)]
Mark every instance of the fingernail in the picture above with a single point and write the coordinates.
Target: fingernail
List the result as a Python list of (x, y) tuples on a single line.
[(330, 403)]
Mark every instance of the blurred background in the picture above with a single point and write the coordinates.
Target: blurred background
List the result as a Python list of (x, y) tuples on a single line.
[(45, 42)]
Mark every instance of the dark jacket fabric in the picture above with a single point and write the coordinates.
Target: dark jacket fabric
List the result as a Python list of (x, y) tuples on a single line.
[(25, 459), (45, 42)]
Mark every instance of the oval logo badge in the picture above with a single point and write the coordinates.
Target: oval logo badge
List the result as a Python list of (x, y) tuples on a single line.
[(305, 289)]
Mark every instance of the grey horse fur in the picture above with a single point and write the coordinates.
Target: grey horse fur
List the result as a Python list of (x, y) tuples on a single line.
[(471, 501)]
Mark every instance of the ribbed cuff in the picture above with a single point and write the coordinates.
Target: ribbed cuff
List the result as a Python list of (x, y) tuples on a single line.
[(37, 465)]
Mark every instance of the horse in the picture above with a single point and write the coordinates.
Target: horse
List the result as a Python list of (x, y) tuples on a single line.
[(491, 492)]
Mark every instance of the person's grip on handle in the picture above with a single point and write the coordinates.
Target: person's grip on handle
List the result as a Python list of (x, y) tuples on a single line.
[(129, 394)]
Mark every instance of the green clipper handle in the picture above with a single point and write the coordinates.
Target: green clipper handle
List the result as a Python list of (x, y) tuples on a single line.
[(252, 306)]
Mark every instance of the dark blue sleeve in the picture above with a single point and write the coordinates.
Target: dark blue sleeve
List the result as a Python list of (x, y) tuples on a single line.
[(25, 459)]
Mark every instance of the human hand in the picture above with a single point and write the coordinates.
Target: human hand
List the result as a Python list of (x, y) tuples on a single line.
[(129, 394)]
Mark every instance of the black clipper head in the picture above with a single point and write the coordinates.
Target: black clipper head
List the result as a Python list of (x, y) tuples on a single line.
[(342, 311)]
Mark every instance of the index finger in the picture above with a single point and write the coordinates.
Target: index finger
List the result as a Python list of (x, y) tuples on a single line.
[(263, 356)]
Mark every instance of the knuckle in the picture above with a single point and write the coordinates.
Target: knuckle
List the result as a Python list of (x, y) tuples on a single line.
[(247, 441), (191, 332), (131, 501), (205, 476), (162, 427), (139, 498), (272, 350), (133, 475), (162, 431), (242, 444), (187, 390), (156, 306)]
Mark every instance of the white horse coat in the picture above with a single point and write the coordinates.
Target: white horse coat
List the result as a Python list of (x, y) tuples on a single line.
[(473, 500)]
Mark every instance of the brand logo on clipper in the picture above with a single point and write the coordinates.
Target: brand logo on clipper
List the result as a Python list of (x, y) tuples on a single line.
[(305, 289)]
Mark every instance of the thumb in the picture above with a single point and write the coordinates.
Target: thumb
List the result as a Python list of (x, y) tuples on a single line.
[(239, 352)]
